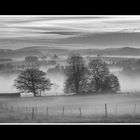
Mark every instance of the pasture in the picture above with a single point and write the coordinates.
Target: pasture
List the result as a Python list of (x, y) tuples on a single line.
[(100, 108)]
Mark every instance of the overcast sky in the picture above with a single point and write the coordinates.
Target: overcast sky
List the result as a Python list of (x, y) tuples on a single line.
[(100, 31)]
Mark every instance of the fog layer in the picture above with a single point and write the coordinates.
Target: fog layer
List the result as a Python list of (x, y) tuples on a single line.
[(128, 83)]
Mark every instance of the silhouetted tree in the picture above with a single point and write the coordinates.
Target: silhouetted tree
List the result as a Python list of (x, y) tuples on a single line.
[(75, 73), (115, 85), (32, 80), (111, 84), (100, 79), (97, 71)]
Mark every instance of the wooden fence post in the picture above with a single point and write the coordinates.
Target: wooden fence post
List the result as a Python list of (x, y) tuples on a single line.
[(134, 111), (63, 111), (106, 110), (116, 109), (47, 111), (33, 111), (80, 112)]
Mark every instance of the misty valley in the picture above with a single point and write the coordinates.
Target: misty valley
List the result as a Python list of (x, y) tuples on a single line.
[(126, 68), (69, 68)]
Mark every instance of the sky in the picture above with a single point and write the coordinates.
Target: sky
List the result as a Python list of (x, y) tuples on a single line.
[(78, 31)]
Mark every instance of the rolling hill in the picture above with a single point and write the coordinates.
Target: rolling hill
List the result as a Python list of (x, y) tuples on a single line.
[(46, 50)]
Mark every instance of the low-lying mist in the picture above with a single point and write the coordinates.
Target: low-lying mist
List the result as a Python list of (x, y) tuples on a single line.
[(128, 83), (7, 82), (56, 77)]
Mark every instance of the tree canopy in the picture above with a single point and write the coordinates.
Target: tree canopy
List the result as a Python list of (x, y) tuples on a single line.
[(101, 80), (95, 77), (75, 73), (32, 80), (97, 72)]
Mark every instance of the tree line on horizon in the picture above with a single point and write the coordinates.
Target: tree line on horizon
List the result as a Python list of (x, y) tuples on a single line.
[(94, 77)]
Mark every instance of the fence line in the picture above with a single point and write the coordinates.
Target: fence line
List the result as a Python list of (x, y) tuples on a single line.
[(35, 111)]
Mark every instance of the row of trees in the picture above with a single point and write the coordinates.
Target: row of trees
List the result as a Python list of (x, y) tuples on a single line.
[(80, 78), (92, 78)]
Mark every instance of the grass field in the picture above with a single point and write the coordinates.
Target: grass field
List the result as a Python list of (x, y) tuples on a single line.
[(86, 108)]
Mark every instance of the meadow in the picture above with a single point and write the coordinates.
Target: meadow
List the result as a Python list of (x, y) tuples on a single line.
[(102, 108)]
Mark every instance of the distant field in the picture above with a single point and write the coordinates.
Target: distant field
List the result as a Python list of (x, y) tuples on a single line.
[(86, 108)]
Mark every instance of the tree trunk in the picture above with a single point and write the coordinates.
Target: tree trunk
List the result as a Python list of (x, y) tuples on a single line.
[(35, 94), (40, 93)]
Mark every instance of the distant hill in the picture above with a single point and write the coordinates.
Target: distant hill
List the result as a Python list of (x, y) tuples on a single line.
[(48, 51), (122, 51), (5, 50), (34, 50)]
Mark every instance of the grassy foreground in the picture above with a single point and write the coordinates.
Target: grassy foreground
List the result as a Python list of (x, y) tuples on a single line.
[(14, 117), (92, 108)]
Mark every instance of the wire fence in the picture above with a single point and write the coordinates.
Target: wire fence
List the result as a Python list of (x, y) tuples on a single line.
[(104, 110)]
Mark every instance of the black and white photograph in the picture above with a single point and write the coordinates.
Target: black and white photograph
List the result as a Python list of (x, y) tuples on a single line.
[(69, 69)]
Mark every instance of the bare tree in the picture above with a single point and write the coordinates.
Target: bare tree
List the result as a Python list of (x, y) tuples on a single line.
[(32, 80)]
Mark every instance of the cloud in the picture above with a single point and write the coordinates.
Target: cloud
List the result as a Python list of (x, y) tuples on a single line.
[(57, 27)]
